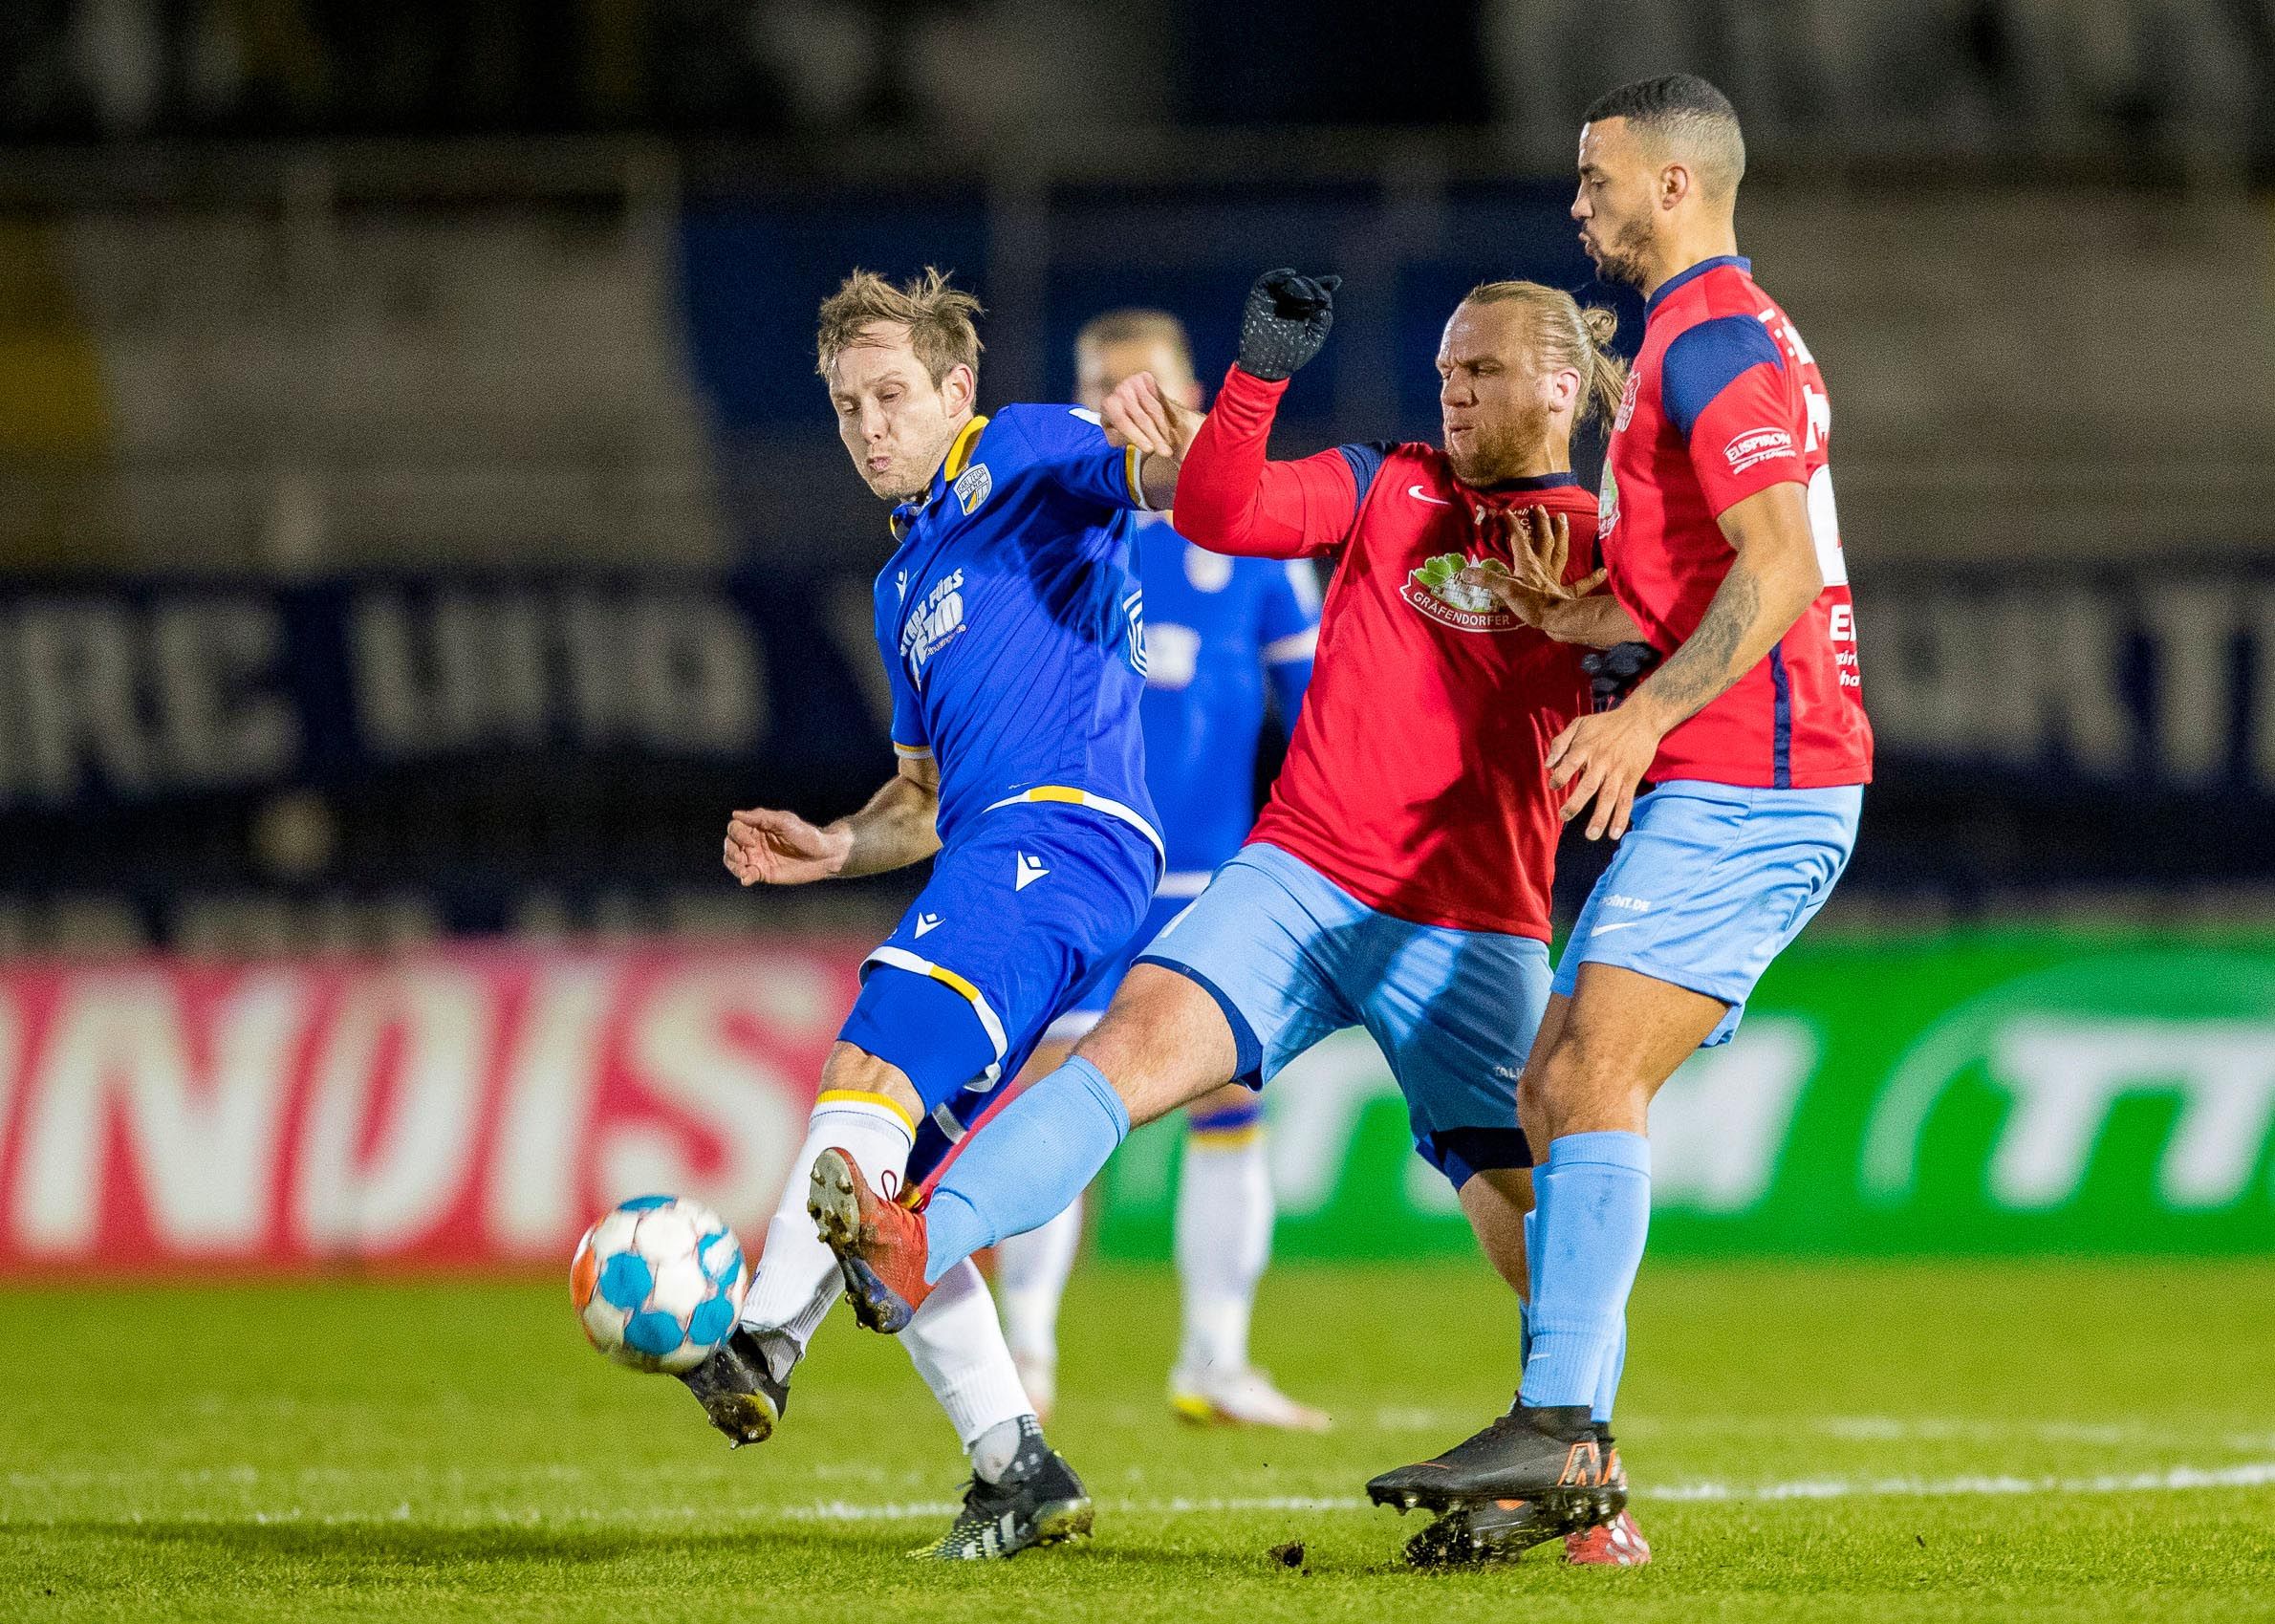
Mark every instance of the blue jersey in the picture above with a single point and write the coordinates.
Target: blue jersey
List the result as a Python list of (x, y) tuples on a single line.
[(1013, 627), (1215, 627)]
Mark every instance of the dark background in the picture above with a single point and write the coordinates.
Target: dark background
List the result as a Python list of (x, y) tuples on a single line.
[(418, 514)]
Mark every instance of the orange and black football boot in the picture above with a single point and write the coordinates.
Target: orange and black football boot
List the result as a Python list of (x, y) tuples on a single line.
[(880, 1244)]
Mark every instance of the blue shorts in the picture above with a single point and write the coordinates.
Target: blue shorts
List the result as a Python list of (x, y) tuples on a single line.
[(1291, 957), (1710, 884), (1016, 918), (1174, 897)]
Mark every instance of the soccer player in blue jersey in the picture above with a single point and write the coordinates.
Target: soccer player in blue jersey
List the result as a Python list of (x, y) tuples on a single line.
[(1013, 630), (1220, 633)]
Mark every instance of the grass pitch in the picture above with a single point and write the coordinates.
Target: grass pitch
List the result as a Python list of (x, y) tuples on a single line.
[(1875, 1441)]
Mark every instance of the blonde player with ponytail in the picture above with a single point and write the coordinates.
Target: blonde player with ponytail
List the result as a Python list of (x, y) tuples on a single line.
[(1399, 877)]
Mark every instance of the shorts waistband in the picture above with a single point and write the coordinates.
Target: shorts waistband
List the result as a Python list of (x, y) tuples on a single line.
[(1060, 794)]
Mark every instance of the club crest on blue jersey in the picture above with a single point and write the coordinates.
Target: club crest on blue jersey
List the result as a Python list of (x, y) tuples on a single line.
[(973, 485)]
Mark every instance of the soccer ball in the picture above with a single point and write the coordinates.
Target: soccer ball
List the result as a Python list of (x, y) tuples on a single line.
[(657, 1283)]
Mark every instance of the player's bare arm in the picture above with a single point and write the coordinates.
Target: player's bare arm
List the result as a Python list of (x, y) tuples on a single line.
[(894, 828), (1773, 578), (1139, 412)]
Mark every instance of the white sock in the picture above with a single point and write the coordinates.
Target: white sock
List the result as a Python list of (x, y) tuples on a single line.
[(797, 1279), (957, 1348), (994, 1450), (1030, 1276), (1223, 1239)]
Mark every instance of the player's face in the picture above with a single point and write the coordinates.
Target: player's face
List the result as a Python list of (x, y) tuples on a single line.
[(1616, 204), (1491, 406), (895, 423), (1099, 369)]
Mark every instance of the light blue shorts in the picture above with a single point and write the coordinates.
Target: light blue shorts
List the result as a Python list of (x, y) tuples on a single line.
[(1710, 884), (1290, 957)]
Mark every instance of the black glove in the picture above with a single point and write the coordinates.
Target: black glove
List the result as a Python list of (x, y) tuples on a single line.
[(1286, 322), (1613, 672)]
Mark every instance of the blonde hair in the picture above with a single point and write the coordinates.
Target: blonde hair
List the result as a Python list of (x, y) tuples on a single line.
[(1565, 334), (1137, 326), (937, 317)]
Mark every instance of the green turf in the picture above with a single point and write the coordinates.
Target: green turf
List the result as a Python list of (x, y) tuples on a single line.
[(446, 1451)]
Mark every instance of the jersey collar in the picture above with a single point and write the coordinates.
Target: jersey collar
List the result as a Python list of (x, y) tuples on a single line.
[(1651, 305), (1531, 481), (958, 457), (1510, 494)]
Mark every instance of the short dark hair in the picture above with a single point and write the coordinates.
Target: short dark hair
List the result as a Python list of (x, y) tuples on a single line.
[(1687, 113)]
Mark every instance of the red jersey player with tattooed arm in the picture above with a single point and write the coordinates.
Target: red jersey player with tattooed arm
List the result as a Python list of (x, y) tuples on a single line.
[(1398, 877), (1722, 546)]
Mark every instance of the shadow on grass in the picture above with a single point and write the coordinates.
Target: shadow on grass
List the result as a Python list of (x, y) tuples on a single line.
[(856, 1559), (413, 1543)]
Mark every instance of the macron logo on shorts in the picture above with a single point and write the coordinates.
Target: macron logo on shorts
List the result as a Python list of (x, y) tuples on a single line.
[(926, 923), (1030, 871)]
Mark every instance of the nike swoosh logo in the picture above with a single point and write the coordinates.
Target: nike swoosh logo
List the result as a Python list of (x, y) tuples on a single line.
[(1420, 495), (1607, 929)]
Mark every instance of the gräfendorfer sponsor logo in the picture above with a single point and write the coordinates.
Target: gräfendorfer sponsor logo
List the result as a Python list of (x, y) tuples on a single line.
[(1435, 587)]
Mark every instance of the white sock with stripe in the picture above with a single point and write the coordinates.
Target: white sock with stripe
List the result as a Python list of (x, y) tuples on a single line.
[(797, 1279), (1030, 1275), (959, 1349), (1223, 1239)]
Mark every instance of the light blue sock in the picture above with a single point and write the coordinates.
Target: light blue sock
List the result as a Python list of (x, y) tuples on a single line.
[(1596, 1211), (1532, 1281), (1606, 1379), (1023, 1169)]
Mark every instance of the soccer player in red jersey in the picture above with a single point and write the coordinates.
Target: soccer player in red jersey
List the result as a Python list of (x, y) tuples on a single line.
[(1723, 550), (1399, 877)]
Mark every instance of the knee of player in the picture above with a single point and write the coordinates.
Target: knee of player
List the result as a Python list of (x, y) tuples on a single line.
[(1562, 1071), (1162, 1045), (853, 1070), (1532, 1090)]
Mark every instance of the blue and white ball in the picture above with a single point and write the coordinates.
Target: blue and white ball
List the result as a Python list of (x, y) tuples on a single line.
[(657, 1283)]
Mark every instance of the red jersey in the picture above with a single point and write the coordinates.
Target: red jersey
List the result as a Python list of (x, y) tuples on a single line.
[(1725, 402), (1414, 778)]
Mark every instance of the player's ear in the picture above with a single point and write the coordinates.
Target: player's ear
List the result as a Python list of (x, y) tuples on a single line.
[(1676, 182), (958, 388)]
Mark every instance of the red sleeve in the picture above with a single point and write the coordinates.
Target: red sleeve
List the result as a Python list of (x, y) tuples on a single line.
[(1745, 440), (1230, 499)]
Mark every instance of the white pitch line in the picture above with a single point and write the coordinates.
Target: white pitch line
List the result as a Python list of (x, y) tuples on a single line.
[(2254, 1473)]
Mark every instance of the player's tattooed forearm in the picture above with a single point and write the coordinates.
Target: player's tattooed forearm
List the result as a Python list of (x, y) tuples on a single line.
[(1706, 662)]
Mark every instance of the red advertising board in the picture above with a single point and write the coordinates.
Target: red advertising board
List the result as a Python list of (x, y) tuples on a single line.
[(456, 1107)]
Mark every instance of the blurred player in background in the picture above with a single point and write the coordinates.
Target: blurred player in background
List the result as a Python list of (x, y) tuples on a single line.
[(1723, 552), (1013, 630), (1399, 874), (1218, 630)]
